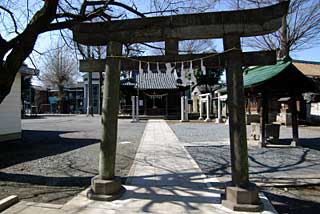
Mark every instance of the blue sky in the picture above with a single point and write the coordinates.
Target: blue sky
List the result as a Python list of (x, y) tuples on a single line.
[(46, 40), (312, 54)]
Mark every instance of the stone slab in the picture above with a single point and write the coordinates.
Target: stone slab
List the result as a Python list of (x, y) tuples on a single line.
[(8, 201)]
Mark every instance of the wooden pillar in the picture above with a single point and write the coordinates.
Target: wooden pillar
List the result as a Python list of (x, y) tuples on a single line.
[(133, 112), (236, 106), (172, 47), (182, 106), (208, 108), (106, 186), (264, 113), (100, 92), (219, 120), (137, 108), (110, 110), (90, 98), (294, 118), (145, 104), (200, 109), (167, 105), (242, 195)]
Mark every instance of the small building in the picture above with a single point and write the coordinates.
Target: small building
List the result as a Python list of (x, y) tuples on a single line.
[(276, 92), (35, 99), (72, 101), (11, 107), (96, 92), (159, 94), (311, 70)]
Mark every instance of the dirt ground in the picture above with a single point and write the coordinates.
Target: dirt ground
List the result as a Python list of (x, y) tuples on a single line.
[(208, 144), (304, 199), (58, 157)]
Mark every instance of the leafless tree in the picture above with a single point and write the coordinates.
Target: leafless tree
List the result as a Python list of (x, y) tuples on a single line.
[(59, 70), (23, 21), (300, 28), (173, 7)]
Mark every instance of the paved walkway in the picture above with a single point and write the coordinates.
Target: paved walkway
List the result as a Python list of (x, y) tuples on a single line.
[(163, 179)]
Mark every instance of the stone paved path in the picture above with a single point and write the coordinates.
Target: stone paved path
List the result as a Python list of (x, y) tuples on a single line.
[(163, 179)]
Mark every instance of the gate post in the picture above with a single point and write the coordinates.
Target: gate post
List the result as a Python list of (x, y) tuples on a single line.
[(200, 109), (137, 108), (133, 111), (105, 186), (208, 108), (242, 195), (184, 112), (219, 119)]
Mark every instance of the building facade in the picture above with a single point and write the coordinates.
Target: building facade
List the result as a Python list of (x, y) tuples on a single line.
[(11, 107)]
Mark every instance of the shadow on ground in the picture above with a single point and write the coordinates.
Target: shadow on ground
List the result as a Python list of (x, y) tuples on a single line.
[(169, 192), (284, 164), (284, 204), (312, 143), (72, 181), (38, 144)]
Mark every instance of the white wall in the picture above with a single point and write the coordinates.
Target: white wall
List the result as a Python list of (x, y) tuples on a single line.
[(313, 112), (10, 109), (315, 109)]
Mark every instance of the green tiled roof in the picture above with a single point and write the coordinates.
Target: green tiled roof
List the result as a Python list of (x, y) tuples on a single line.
[(260, 74)]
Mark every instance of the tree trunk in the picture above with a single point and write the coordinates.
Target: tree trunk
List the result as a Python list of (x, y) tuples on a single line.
[(284, 48), (60, 98), (21, 46)]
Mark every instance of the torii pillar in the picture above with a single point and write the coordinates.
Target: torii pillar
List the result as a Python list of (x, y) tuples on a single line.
[(242, 195), (105, 186)]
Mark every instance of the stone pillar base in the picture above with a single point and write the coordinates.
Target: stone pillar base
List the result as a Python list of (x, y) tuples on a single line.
[(207, 120), (243, 199), (219, 120), (105, 190), (200, 118), (183, 121), (294, 143), (261, 144)]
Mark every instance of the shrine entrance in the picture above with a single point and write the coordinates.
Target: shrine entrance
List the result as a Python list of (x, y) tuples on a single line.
[(156, 104), (231, 26)]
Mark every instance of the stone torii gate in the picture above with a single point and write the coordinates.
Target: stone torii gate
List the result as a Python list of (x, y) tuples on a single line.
[(231, 26)]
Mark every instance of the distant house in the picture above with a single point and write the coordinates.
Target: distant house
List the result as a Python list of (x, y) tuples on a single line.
[(35, 98), (72, 99), (311, 70), (96, 93), (10, 108), (40, 99)]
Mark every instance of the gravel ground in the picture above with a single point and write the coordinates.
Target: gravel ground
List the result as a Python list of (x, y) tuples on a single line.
[(208, 145), (59, 155)]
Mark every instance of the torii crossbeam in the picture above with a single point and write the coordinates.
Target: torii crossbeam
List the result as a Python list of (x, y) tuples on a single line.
[(231, 26)]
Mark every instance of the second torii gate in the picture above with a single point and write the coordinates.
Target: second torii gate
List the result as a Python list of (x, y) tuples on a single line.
[(231, 26)]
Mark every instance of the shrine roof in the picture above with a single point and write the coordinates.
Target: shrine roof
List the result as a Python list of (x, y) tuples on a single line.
[(308, 68), (148, 81), (260, 74), (280, 78), (156, 81)]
